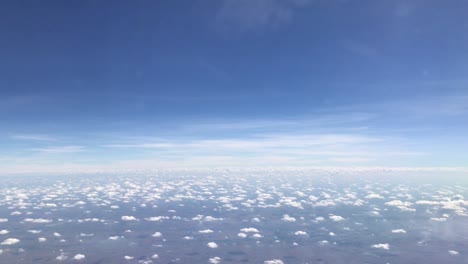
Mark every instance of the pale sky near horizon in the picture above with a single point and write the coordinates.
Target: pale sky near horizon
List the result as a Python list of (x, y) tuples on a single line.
[(233, 83)]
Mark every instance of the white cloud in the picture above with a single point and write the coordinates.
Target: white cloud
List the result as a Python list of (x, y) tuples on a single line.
[(273, 261), (336, 218), (319, 219), (212, 245), (300, 233), (249, 230), (381, 246), (79, 257), (128, 218), (10, 241), (156, 218), (399, 231), (288, 218), (257, 236), (453, 252), (374, 196), (37, 221), (404, 206), (242, 235), (60, 149), (323, 243), (215, 260), (206, 231), (32, 137), (42, 239), (157, 234), (128, 257), (61, 257), (4, 232), (3, 220)]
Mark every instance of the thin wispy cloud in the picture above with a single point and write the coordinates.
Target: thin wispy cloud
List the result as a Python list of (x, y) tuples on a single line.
[(60, 149), (253, 15), (32, 137)]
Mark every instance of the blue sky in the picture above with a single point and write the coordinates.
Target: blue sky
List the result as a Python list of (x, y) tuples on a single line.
[(150, 84)]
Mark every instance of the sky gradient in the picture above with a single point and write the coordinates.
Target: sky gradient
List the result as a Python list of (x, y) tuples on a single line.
[(257, 83)]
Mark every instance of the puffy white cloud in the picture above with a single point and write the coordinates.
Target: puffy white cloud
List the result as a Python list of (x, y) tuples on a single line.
[(453, 252), (242, 235), (439, 219), (42, 239), (211, 219), (10, 241), (300, 233), (398, 203), (79, 257), (404, 206), (257, 236), (212, 245), (319, 219), (4, 232), (323, 242), (273, 261), (336, 218), (3, 220), (381, 246), (215, 260), (206, 231), (157, 234), (374, 196), (128, 218), (249, 230), (128, 257), (399, 231), (61, 257), (37, 221), (324, 203), (155, 256), (156, 218), (288, 218)]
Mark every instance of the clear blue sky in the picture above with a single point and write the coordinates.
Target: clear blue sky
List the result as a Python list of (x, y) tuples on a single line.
[(143, 84)]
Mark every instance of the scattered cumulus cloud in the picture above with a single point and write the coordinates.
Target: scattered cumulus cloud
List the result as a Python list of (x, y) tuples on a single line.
[(128, 218), (381, 246), (212, 245), (215, 260), (79, 257), (10, 241), (288, 218), (398, 231), (273, 261)]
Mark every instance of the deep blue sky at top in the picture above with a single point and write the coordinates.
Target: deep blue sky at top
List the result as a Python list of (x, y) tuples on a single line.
[(109, 56), (71, 66)]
